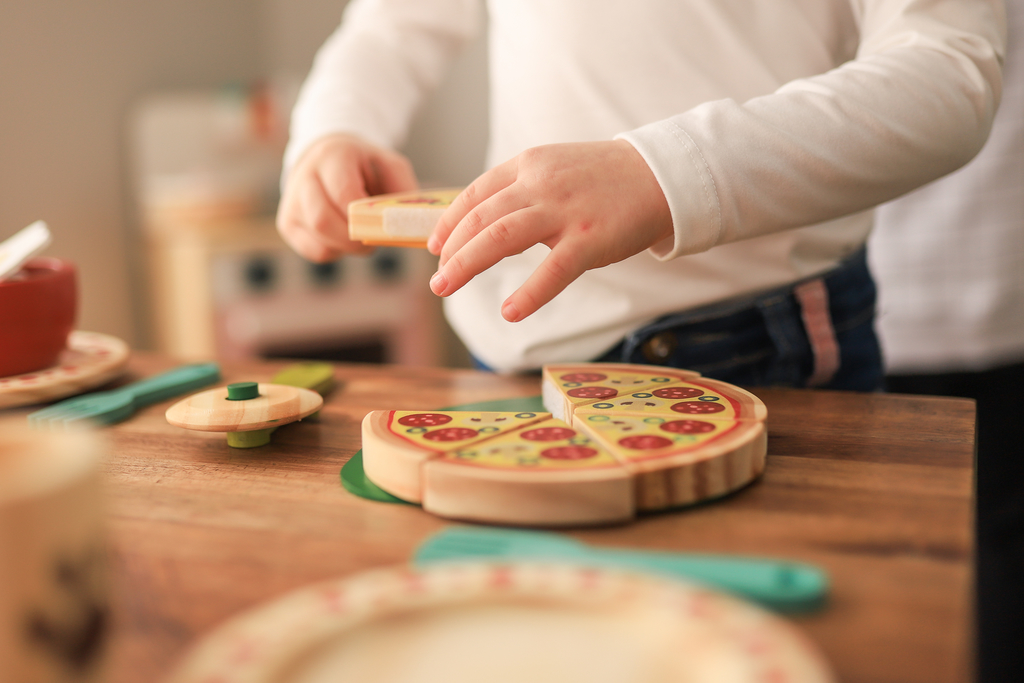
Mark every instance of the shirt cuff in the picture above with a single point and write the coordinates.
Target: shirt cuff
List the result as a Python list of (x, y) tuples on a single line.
[(683, 174)]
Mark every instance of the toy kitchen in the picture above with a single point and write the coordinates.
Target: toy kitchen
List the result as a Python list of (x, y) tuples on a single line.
[(221, 281)]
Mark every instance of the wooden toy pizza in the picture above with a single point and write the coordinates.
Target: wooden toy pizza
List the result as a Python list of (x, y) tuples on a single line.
[(617, 439), (403, 219), (472, 622)]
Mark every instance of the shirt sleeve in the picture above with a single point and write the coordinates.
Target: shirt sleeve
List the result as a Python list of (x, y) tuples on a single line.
[(369, 77), (916, 103)]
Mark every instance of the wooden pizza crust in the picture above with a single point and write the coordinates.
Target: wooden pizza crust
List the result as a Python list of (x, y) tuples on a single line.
[(391, 462), (687, 479), (684, 476), (535, 498)]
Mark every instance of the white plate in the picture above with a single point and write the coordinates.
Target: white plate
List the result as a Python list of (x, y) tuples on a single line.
[(90, 360), (499, 623)]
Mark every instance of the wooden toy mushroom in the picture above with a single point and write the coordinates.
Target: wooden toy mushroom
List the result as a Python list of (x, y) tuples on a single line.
[(247, 411)]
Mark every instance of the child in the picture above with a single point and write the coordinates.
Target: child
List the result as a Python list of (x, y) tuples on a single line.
[(682, 183)]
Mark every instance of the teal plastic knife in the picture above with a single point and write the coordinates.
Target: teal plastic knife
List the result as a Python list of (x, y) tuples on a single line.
[(110, 407), (783, 586)]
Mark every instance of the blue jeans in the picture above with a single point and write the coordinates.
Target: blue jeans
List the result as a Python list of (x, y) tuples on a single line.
[(768, 340)]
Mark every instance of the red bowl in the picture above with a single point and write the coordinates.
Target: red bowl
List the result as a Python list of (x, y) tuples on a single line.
[(37, 313)]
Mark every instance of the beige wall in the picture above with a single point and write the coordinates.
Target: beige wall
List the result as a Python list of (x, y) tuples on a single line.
[(70, 71)]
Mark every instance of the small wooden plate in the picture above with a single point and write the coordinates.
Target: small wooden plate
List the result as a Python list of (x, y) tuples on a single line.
[(91, 360), (211, 411), (472, 622)]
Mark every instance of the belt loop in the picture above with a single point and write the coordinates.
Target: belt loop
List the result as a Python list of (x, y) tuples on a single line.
[(813, 298)]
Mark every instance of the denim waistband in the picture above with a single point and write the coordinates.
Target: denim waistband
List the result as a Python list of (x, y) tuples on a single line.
[(795, 335), (851, 267)]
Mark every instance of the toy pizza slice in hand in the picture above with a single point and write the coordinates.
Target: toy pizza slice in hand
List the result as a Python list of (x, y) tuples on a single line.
[(403, 219)]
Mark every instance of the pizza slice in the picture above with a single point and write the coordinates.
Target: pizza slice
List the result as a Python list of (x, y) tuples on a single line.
[(698, 398), (678, 459), (403, 219), (564, 387), (546, 473), (396, 442)]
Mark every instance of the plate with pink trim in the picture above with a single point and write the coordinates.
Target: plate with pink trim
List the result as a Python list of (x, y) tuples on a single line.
[(90, 360), (537, 622)]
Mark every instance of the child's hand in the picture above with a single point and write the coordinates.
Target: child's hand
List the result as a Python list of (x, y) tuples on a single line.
[(313, 214), (592, 203)]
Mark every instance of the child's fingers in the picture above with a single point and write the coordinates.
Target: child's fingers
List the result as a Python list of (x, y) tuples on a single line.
[(393, 173), (313, 213), (480, 190), (326, 220), (312, 224), (312, 249), (357, 173), (555, 273), (294, 225), (291, 221), (510, 234), (486, 220), (341, 181)]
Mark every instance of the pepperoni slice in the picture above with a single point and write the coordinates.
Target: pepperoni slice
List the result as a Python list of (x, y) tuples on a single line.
[(450, 434), (677, 393), (644, 442), (688, 427), (568, 453), (424, 420), (582, 377), (592, 392), (548, 434), (698, 407)]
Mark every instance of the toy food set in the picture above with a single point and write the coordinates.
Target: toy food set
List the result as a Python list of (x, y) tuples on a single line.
[(614, 440)]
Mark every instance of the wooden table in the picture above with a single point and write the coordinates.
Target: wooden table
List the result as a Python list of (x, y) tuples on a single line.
[(878, 489)]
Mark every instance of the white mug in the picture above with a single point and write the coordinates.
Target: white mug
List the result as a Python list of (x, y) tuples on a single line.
[(54, 612)]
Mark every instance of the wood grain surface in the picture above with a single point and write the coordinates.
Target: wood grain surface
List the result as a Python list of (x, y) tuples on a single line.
[(877, 489)]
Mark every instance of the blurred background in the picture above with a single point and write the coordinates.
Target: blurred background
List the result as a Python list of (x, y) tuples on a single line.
[(148, 135)]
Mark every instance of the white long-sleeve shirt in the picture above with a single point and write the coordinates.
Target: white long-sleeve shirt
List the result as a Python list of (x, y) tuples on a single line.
[(772, 127), (949, 257)]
